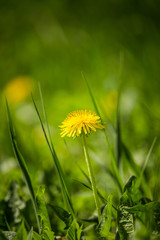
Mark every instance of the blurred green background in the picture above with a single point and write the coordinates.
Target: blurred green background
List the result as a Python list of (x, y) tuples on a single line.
[(52, 42)]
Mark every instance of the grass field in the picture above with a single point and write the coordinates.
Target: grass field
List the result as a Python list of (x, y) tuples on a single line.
[(94, 175)]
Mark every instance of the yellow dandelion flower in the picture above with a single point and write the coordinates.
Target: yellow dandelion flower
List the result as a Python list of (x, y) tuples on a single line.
[(80, 121)]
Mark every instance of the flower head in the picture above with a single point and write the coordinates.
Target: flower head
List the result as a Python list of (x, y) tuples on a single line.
[(80, 121)]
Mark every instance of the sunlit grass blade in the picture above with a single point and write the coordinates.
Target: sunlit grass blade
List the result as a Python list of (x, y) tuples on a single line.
[(118, 135), (118, 123), (146, 161), (29, 237), (64, 189), (113, 160), (22, 165), (91, 95)]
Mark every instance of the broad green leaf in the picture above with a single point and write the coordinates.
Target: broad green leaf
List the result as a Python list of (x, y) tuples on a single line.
[(74, 231), (131, 191), (48, 235), (36, 236), (64, 189), (125, 223), (113, 160), (63, 215), (21, 233), (105, 221), (30, 234), (22, 164), (42, 210), (125, 219), (152, 214)]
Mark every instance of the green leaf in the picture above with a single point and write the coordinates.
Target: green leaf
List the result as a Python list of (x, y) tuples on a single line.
[(65, 216), (125, 219), (152, 214), (22, 164), (125, 223), (30, 234), (105, 220), (74, 231), (36, 236), (21, 233), (64, 189), (42, 210), (48, 235)]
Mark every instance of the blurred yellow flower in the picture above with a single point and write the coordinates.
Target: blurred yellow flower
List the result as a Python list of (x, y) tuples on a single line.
[(80, 121), (18, 89)]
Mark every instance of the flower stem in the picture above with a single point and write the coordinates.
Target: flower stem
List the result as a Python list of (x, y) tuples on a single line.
[(91, 176)]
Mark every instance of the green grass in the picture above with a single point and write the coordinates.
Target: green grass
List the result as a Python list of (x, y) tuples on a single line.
[(129, 208)]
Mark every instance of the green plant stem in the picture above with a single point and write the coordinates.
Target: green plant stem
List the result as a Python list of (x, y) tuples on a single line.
[(91, 175)]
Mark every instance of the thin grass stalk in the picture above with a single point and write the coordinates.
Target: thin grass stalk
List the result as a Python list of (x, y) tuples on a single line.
[(65, 193), (118, 137), (91, 175), (146, 161), (118, 119)]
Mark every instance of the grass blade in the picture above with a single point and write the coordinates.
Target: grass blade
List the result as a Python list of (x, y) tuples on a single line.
[(29, 237), (118, 126), (22, 164), (113, 160), (131, 160), (99, 194), (146, 161), (118, 136), (64, 189)]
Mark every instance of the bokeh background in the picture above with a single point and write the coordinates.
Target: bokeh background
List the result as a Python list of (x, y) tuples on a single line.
[(52, 42)]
